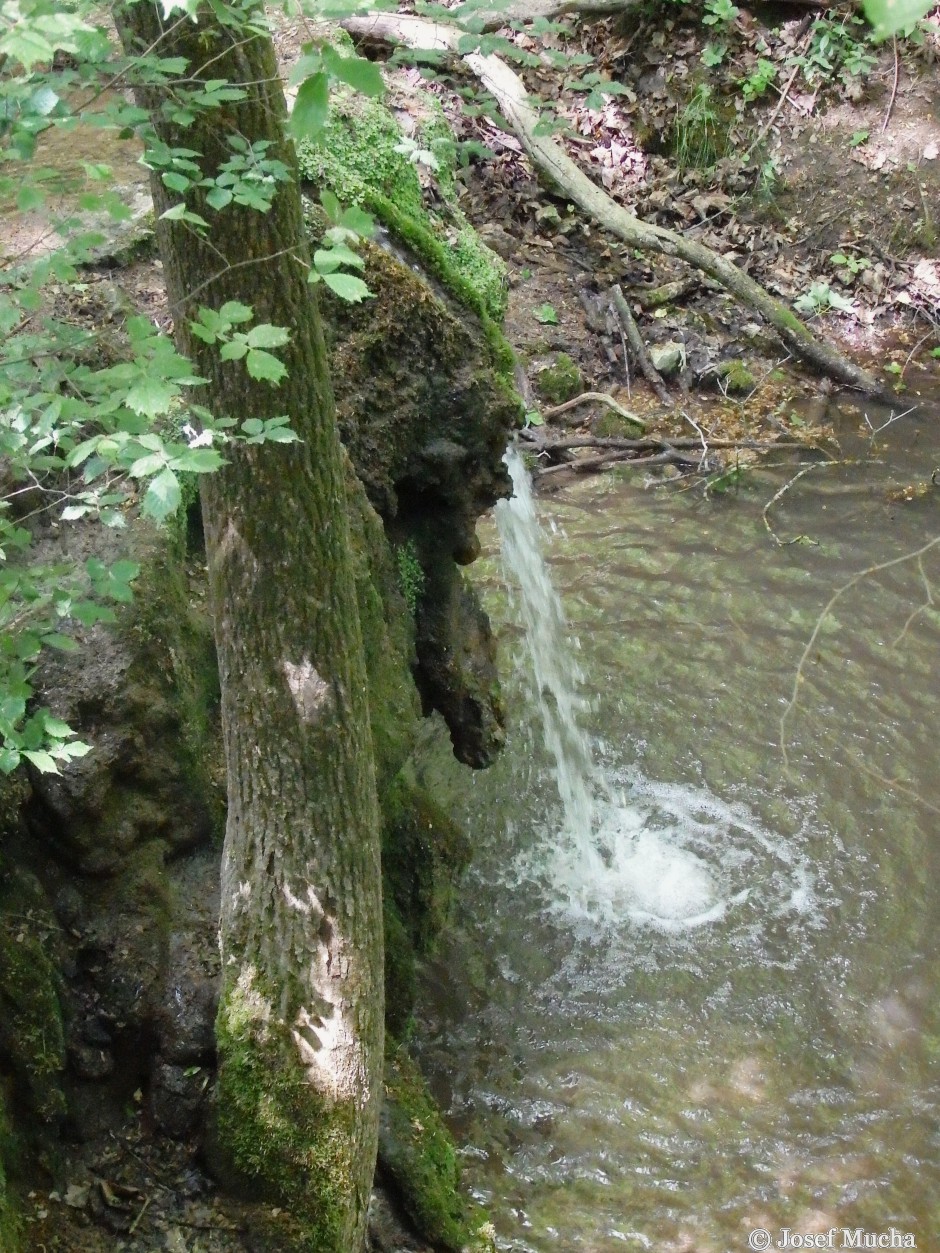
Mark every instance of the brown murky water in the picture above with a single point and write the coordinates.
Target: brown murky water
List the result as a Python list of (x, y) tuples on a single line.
[(728, 1020)]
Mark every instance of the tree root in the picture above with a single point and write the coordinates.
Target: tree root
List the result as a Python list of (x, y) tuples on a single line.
[(587, 398), (557, 167)]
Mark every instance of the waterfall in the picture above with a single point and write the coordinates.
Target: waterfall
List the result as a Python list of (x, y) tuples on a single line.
[(628, 847), (558, 678)]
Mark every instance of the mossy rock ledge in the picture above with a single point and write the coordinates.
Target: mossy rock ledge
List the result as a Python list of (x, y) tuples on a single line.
[(425, 400)]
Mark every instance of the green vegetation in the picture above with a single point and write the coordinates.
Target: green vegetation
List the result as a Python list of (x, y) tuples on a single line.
[(561, 380), (361, 159), (700, 133), (418, 1153), (410, 574)]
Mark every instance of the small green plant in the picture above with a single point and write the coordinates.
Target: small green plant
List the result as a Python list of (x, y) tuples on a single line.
[(836, 49), (699, 137), (546, 315), (534, 418), (720, 13), (757, 82), (713, 54), (859, 138), (854, 265), (821, 298), (411, 581)]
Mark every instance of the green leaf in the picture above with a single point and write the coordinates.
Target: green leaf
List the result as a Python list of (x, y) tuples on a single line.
[(261, 365), (197, 461), (25, 44), (175, 182), (279, 435), (360, 74), (347, 287), (9, 760), (151, 396), (357, 220), (88, 612), (163, 496), (218, 197), (55, 727), (311, 107), (234, 350), (252, 426), (29, 198), (546, 315), (329, 259), (890, 16), (64, 643), (43, 762), (266, 336), (235, 311), (145, 466)]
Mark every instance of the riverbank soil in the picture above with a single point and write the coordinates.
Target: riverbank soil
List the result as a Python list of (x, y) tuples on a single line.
[(780, 137)]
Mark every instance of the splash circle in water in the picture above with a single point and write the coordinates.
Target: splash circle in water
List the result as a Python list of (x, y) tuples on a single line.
[(673, 858)]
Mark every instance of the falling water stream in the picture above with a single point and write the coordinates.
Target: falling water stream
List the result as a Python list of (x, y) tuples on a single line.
[(693, 991)]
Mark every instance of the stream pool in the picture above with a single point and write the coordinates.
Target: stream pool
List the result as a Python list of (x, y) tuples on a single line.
[(717, 1012)]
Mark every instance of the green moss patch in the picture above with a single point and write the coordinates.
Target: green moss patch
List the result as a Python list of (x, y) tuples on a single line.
[(418, 1156), (560, 381), (276, 1141), (356, 159)]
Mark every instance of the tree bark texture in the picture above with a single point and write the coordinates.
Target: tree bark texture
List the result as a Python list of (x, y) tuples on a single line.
[(300, 1027)]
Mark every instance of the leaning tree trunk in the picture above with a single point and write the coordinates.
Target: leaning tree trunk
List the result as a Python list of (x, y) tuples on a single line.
[(301, 1017)]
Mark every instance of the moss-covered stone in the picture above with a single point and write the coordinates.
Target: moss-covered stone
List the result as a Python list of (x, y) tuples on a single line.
[(417, 1155), (735, 378), (560, 380)]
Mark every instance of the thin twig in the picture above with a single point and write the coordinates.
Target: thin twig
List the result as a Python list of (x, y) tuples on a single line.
[(894, 86), (776, 113), (136, 1223), (928, 602), (827, 609), (701, 434), (638, 348), (783, 543)]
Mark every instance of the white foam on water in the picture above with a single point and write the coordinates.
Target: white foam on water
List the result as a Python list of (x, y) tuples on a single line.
[(670, 857)]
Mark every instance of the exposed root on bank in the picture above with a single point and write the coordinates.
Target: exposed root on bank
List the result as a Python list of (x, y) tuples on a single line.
[(648, 450), (588, 398), (556, 167)]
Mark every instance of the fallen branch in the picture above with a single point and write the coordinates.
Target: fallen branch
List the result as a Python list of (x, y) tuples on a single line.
[(587, 398), (554, 164), (595, 464), (548, 10), (615, 443), (638, 348)]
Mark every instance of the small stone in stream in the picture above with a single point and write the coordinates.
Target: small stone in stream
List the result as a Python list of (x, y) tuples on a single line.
[(668, 358)]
